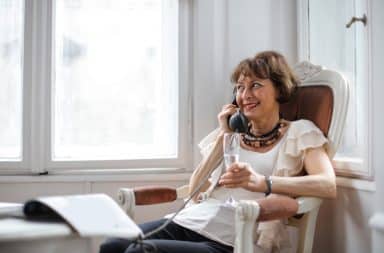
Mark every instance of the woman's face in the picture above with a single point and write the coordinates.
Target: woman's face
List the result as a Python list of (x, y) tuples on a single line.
[(256, 97)]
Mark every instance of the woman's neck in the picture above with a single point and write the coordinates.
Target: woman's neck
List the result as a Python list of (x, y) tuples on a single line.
[(264, 125)]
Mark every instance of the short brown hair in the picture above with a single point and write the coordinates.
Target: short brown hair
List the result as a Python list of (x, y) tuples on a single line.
[(269, 65)]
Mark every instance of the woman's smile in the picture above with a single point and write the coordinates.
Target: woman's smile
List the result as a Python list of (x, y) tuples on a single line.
[(250, 106)]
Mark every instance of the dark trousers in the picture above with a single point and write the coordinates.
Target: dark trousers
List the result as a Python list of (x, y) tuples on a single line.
[(172, 239)]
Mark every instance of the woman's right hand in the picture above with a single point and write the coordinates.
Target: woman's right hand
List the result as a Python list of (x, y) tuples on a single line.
[(222, 117)]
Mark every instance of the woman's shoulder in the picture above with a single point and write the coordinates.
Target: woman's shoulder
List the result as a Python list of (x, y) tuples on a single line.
[(303, 124), (303, 134), (302, 127)]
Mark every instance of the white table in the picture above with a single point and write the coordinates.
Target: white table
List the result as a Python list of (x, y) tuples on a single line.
[(19, 235), (97, 213)]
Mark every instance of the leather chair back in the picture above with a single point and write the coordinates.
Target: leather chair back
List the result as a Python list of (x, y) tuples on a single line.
[(314, 103)]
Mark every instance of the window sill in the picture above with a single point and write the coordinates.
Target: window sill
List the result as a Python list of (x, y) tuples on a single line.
[(147, 174), (377, 222), (113, 175), (350, 167), (357, 184)]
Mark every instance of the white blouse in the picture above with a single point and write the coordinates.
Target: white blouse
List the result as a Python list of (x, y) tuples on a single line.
[(215, 216)]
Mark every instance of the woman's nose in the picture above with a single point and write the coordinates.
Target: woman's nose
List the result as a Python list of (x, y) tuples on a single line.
[(247, 93)]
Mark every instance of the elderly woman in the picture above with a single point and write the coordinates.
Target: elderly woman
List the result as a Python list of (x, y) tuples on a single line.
[(277, 156)]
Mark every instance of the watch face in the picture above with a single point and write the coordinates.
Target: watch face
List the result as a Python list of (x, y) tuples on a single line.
[(268, 182)]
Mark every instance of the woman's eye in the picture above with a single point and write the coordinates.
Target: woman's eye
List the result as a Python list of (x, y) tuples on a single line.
[(240, 89), (256, 85), (253, 86)]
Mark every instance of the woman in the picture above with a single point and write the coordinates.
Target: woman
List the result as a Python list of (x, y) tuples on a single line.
[(274, 153)]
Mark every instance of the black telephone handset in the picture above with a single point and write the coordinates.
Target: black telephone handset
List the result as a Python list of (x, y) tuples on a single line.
[(237, 122)]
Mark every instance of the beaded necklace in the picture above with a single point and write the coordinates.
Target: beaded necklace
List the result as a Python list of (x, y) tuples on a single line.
[(263, 140)]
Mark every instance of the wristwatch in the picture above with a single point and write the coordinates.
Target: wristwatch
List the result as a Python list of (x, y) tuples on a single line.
[(268, 182)]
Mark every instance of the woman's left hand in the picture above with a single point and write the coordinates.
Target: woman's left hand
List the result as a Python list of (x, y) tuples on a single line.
[(242, 175)]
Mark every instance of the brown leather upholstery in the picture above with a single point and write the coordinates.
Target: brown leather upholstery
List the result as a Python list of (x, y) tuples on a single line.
[(148, 195), (314, 103)]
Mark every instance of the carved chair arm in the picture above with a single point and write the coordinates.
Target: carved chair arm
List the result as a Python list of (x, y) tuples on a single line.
[(149, 195), (128, 198), (248, 211), (275, 207)]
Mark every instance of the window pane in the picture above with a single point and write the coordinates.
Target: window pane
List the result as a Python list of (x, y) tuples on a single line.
[(11, 30), (115, 91), (335, 47)]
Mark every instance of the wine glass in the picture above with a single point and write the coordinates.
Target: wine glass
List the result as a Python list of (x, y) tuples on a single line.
[(231, 150)]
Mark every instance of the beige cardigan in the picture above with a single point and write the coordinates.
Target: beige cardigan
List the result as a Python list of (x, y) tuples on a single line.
[(301, 135)]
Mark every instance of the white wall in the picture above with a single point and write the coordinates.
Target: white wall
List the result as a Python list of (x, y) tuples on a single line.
[(342, 225), (377, 21)]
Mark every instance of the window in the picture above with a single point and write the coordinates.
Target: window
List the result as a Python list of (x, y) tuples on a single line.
[(11, 61), (101, 84), (328, 42)]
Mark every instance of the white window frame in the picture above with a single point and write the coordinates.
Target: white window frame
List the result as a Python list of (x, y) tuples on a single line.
[(38, 76), (347, 166)]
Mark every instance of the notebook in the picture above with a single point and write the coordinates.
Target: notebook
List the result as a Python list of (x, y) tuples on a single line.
[(11, 209), (89, 215)]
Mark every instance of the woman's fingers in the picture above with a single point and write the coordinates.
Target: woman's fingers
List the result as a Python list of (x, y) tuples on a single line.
[(235, 180), (232, 185), (225, 112), (228, 106), (242, 175), (238, 167), (235, 175)]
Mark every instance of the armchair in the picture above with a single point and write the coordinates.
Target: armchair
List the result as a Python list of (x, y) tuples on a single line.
[(322, 97)]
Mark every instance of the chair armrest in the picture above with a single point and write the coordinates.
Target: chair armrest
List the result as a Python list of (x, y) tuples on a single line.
[(247, 212), (128, 198), (271, 208), (149, 195), (277, 207), (307, 204)]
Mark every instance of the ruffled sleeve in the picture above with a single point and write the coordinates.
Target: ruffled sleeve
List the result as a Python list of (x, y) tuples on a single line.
[(301, 135), (206, 145)]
